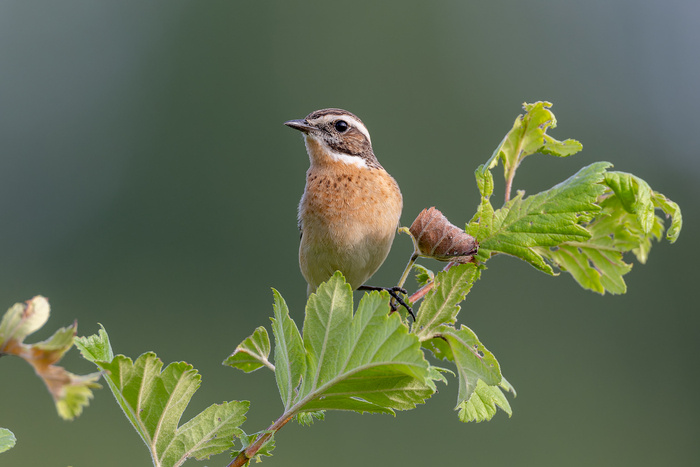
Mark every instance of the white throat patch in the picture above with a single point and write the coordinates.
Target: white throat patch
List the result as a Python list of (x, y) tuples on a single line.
[(317, 151), (347, 159)]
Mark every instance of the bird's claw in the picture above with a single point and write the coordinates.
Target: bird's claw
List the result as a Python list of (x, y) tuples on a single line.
[(394, 292)]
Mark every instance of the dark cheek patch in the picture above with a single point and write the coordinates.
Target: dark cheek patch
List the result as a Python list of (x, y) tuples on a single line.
[(352, 142)]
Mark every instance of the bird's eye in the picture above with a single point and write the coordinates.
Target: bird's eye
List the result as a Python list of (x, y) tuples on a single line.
[(341, 126)]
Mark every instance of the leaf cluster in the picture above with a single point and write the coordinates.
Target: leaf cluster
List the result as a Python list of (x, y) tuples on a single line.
[(583, 225), (153, 400), (371, 360)]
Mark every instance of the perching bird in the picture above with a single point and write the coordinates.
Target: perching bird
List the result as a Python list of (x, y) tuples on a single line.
[(350, 209)]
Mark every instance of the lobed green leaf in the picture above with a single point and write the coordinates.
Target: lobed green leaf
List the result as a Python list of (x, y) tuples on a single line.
[(529, 136), (154, 399), (210, 432), (483, 403), (95, 348), (626, 223), (290, 359), (441, 305), (473, 361), (252, 354), (546, 219), (366, 362)]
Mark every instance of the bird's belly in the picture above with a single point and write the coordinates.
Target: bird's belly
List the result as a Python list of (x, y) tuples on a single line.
[(354, 248)]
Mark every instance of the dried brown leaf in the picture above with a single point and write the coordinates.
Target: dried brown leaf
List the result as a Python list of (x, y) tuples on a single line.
[(437, 238)]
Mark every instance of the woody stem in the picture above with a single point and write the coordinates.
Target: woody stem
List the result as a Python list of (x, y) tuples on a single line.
[(247, 454)]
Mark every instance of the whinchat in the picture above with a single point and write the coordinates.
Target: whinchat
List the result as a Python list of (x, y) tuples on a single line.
[(349, 212)]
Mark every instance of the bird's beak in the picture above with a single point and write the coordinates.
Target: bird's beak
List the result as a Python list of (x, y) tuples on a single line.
[(301, 125)]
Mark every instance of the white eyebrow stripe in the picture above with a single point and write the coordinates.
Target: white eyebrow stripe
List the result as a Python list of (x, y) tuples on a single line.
[(359, 125), (351, 120)]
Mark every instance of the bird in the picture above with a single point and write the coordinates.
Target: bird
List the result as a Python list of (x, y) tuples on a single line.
[(350, 210)]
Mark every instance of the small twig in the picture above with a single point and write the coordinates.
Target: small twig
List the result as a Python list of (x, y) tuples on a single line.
[(414, 256), (423, 291), (509, 185)]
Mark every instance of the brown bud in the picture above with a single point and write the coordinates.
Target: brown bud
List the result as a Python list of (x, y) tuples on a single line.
[(437, 238)]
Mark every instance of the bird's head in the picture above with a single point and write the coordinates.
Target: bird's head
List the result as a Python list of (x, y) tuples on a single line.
[(336, 135)]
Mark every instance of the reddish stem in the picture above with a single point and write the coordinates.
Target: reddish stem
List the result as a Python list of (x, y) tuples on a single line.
[(420, 293), (247, 454), (509, 185)]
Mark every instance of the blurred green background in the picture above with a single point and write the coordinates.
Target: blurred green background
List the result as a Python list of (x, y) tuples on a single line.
[(148, 184)]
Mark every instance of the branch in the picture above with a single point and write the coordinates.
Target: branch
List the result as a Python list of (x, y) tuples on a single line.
[(247, 454)]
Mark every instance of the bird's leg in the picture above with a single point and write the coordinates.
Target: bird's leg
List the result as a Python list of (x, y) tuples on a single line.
[(394, 292)]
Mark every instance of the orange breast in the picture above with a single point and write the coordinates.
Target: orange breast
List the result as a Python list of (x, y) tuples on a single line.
[(349, 216)]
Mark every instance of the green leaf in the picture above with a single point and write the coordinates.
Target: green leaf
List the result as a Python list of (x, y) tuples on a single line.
[(481, 225), (671, 210), (594, 266), (546, 219), (308, 418), (441, 305), (484, 180), (154, 400), (290, 359), (252, 353), (483, 403), (75, 393), (71, 393), (528, 136), (473, 361), (634, 195), (637, 197), (556, 148), (423, 275), (209, 432), (7, 440), (583, 225), (597, 264), (626, 223), (366, 363), (95, 348)]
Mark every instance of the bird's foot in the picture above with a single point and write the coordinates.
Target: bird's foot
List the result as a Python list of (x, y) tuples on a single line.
[(394, 292)]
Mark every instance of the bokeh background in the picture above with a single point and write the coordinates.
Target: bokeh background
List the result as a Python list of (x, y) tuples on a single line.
[(147, 183)]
